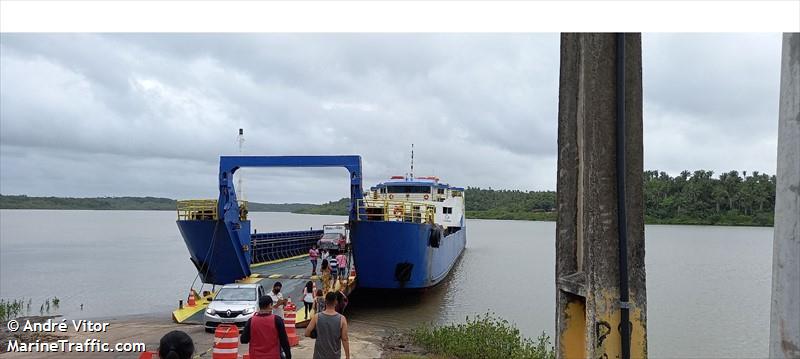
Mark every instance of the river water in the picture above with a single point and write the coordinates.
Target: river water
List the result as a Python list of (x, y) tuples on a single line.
[(708, 288)]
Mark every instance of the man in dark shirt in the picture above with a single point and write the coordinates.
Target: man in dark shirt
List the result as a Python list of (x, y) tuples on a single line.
[(266, 333)]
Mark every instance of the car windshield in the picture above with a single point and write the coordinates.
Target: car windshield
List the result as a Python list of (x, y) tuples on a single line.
[(236, 294), (334, 236)]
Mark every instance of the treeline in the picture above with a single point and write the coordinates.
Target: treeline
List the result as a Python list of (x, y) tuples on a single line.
[(689, 198), (96, 203), (333, 208), (699, 198), (481, 203), (510, 204), (124, 203)]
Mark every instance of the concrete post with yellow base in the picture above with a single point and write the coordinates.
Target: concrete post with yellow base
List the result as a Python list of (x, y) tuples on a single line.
[(588, 306)]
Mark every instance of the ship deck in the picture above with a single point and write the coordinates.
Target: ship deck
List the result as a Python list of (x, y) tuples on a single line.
[(292, 272)]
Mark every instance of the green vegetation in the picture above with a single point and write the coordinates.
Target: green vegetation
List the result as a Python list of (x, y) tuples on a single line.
[(124, 203), (690, 198), (277, 207), (333, 208), (698, 198), (482, 337), (112, 203), (506, 204), (10, 309)]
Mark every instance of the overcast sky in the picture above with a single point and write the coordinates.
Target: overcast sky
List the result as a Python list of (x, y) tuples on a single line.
[(114, 115)]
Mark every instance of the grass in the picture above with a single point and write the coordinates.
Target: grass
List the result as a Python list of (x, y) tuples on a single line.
[(482, 337)]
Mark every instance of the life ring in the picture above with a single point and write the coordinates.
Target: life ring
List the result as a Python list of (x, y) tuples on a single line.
[(426, 197), (391, 196)]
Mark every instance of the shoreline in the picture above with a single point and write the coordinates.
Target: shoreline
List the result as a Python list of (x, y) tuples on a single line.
[(366, 340)]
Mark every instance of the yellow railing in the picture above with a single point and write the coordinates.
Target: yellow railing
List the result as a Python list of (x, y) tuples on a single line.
[(396, 211), (204, 210)]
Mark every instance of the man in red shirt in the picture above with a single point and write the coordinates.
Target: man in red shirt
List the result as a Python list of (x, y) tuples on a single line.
[(266, 333)]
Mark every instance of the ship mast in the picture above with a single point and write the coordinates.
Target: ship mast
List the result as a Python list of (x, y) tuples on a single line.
[(240, 172), (412, 162)]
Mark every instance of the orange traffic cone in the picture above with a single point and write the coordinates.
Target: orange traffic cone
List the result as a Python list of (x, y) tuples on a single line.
[(226, 342), (289, 320)]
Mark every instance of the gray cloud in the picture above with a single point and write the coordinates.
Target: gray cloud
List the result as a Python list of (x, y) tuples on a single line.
[(149, 114)]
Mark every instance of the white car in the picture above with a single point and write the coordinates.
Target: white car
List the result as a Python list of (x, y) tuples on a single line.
[(233, 304)]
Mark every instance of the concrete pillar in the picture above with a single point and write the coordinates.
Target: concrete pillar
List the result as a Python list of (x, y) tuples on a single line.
[(784, 331), (587, 259)]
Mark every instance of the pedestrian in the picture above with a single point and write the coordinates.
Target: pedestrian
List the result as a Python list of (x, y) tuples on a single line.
[(319, 302), (341, 261), (308, 297), (266, 333), (341, 301), (277, 299), (325, 269), (334, 268), (331, 332), (313, 254), (176, 345)]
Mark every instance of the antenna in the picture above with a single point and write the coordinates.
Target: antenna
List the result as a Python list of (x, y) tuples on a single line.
[(240, 172), (412, 161)]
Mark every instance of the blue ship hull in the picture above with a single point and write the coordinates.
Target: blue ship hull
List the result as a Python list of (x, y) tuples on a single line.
[(401, 255), (226, 260)]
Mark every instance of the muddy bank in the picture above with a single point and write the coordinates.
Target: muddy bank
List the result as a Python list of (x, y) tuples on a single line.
[(367, 340)]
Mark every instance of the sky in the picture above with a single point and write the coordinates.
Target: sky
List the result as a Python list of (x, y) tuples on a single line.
[(85, 115)]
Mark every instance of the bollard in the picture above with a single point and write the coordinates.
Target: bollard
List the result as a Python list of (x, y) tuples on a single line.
[(226, 342)]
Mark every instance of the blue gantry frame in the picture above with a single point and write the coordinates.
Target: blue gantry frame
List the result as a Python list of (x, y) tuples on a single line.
[(229, 164)]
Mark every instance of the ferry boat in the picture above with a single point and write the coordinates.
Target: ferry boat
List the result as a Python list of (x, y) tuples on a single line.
[(406, 232), (409, 233)]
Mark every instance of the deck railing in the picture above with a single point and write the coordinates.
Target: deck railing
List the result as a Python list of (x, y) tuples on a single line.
[(395, 211), (204, 210)]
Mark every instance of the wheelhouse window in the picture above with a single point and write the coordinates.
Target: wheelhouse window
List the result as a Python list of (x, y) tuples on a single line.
[(409, 189), (447, 210), (441, 191)]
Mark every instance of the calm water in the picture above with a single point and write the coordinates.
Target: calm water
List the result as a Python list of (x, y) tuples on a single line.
[(708, 287)]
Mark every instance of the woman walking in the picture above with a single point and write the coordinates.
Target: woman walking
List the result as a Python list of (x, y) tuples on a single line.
[(325, 270), (308, 297)]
